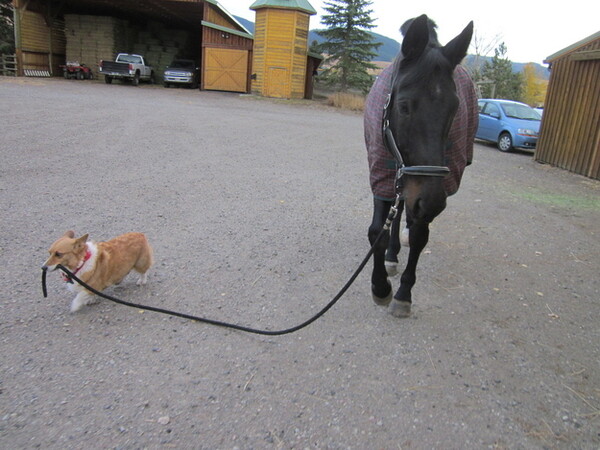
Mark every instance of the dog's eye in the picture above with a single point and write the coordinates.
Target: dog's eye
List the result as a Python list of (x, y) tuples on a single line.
[(58, 254)]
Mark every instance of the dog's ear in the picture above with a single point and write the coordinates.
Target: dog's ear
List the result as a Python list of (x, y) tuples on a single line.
[(82, 240), (70, 234)]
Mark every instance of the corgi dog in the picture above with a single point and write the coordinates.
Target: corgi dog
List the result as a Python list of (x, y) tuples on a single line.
[(101, 264)]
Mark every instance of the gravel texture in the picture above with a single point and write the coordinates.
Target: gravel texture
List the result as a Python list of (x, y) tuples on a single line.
[(258, 213)]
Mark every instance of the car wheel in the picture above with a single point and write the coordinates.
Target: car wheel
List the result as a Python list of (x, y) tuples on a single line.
[(136, 79), (108, 80), (505, 142)]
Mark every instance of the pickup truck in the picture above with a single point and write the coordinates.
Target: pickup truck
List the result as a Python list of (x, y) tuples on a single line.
[(127, 67)]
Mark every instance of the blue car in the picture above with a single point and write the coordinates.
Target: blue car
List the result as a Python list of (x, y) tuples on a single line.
[(509, 124)]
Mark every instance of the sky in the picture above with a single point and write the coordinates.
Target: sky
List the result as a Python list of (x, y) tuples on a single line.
[(532, 30)]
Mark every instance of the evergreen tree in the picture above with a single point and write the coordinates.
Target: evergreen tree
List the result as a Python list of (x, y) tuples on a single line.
[(348, 45), (501, 81), (7, 36)]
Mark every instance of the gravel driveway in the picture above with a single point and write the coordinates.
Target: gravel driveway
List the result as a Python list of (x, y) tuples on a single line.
[(258, 213)]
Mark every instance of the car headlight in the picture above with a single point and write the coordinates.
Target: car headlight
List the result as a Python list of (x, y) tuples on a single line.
[(527, 132)]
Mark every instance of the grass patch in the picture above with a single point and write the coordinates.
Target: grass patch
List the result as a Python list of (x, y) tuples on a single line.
[(347, 100), (561, 200)]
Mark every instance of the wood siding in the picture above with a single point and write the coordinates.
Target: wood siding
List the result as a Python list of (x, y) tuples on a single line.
[(212, 37), (280, 55), (212, 15), (42, 47), (570, 134)]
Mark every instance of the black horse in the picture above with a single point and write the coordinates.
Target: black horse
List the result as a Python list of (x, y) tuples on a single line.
[(409, 149)]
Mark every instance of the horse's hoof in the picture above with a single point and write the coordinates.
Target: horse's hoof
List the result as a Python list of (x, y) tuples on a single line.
[(391, 268), (382, 301), (399, 308)]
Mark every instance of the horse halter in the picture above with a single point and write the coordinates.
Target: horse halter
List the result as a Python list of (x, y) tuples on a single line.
[(390, 145)]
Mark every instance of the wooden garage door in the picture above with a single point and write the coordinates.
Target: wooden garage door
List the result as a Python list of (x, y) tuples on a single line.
[(226, 70)]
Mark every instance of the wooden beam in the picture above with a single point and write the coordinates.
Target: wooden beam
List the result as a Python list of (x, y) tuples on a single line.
[(586, 55)]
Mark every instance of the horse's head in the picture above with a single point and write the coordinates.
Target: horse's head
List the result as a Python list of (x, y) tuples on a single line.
[(423, 105)]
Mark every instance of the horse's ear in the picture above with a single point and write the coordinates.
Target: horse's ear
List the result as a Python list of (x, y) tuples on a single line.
[(416, 38), (456, 49)]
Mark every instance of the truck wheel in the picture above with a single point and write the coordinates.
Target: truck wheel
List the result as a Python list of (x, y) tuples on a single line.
[(152, 80), (136, 79), (80, 75), (107, 79)]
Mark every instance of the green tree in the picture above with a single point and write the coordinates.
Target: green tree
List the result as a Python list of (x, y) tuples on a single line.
[(500, 81), (7, 33), (348, 46)]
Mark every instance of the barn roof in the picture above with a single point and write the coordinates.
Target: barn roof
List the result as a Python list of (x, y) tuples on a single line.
[(173, 12), (571, 48), (301, 5)]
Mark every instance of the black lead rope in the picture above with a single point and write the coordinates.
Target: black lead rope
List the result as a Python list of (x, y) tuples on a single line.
[(219, 323)]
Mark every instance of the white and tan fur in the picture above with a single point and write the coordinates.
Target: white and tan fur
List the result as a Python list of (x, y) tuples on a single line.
[(101, 264)]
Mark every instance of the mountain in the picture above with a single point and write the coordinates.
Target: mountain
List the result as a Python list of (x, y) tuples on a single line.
[(386, 52), (542, 72), (390, 48), (246, 23)]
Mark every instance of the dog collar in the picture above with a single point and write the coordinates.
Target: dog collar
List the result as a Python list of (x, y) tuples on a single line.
[(67, 278)]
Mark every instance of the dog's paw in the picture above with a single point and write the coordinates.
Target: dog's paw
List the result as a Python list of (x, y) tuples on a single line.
[(81, 300), (143, 279), (77, 304)]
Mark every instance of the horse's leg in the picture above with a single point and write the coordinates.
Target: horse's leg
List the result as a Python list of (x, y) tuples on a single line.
[(391, 255), (418, 237), (381, 288)]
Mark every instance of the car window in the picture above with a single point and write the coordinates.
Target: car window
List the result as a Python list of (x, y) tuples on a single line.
[(520, 111), (130, 59), (491, 110), (182, 64)]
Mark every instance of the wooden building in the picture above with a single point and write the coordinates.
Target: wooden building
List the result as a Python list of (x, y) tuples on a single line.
[(570, 133), (48, 33), (196, 29), (280, 60)]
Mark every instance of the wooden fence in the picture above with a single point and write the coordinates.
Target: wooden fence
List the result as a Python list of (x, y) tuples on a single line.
[(8, 65)]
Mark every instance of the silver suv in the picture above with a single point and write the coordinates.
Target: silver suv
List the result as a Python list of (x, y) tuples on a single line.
[(182, 72)]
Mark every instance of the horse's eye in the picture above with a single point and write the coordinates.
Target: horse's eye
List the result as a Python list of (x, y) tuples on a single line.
[(404, 108)]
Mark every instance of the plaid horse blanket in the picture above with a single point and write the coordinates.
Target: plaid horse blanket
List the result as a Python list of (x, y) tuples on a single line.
[(382, 166)]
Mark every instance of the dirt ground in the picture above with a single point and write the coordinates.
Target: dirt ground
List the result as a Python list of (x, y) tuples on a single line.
[(258, 213)]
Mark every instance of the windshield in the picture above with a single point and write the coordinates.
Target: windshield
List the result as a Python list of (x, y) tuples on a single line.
[(520, 111), (182, 65), (129, 59)]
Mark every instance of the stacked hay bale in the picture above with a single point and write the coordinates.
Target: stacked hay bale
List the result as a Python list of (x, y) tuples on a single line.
[(161, 45), (92, 38)]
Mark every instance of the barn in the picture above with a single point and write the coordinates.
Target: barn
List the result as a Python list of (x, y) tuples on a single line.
[(50, 32), (570, 133)]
